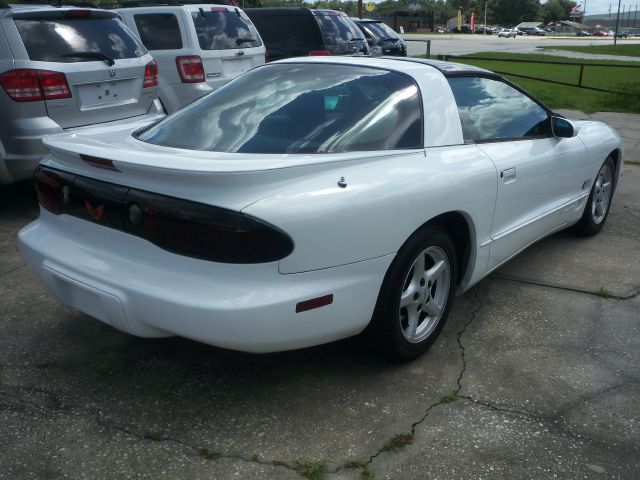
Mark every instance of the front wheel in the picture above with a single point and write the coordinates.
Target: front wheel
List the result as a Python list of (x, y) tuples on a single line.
[(416, 295), (597, 209)]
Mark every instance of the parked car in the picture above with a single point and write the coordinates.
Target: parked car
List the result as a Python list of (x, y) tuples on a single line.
[(61, 69), (295, 32), (484, 31), (199, 48), (507, 33), (600, 33), (311, 199), (583, 33), (381, 38), (621, 34), (535, 31)]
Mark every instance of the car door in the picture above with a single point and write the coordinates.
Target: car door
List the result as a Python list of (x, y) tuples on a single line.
[(540, 176)]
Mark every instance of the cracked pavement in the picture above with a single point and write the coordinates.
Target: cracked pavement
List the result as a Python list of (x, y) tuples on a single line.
[(534, 376)]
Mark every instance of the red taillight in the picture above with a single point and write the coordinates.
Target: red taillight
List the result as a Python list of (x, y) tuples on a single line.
[(150, 74), (317, 53), (190, 69), (98, 162), (54, 85), (29, 85)]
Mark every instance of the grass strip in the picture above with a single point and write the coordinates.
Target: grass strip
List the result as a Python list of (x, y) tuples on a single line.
[(609, 77)]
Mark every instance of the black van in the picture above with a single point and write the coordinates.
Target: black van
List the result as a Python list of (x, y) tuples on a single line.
[(381, 37), (296, 32)]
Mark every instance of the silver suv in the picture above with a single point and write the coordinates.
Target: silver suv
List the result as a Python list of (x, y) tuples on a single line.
[(199, 48), (63, 68)]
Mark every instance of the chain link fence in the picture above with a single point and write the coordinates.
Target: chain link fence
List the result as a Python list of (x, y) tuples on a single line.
[(418, 48)]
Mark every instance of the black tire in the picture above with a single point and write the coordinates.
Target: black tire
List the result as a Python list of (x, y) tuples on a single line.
[(592, 221), (390, 326)]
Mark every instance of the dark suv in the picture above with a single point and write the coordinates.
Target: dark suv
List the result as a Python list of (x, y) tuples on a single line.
[(381, 38), (296, 32)]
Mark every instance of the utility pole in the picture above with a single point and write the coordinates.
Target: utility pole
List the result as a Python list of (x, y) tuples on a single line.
[(359, 8), (615, 36), (486, 4)]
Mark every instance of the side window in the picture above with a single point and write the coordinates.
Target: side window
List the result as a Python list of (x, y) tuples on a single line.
[(159, 31), (492, 110)]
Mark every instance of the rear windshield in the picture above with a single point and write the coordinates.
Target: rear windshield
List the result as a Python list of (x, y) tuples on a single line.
[(380, 31), (337, 29), (159, 31), (57, 39), (224, 30), (300, 108), (289, 30)]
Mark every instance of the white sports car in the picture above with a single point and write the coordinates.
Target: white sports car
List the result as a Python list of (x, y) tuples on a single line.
[(311, 199)]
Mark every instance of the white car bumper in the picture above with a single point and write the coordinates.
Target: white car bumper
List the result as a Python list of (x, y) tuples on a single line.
[(136, 287)]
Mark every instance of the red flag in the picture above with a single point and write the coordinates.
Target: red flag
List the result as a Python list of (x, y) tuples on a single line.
[(473, 21)]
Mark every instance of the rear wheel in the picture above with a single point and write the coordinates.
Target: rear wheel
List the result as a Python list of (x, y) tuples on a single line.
[(414, 301), (597, 209)]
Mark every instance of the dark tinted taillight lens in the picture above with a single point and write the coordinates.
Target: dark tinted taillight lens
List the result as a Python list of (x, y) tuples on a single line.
[(180, 226), (203, 231), (317, 53), (52, 188)]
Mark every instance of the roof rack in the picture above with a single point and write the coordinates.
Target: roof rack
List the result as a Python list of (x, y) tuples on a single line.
[(159, 3), (54, 3)]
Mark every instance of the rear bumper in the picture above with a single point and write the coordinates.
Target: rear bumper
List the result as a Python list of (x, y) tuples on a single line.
[(143, 290), (21, 146)]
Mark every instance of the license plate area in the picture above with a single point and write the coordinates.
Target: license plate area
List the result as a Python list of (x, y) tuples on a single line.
[(235, 66), (109, 92)]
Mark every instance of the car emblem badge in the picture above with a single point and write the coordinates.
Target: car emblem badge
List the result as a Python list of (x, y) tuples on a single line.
[(112, 73), (95, 213), (240, 53)]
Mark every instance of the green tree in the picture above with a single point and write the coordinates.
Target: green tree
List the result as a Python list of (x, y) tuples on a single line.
[(555, 10), (513, 12)]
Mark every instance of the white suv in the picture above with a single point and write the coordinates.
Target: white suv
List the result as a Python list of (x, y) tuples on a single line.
[(198, 48)]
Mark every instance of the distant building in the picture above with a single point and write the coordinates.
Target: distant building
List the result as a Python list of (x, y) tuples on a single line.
[(528, 25)]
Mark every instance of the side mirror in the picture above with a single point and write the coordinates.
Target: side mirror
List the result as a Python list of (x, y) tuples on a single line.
[(561, 127)]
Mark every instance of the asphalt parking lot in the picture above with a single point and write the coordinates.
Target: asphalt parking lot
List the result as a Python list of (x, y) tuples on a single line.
[(536, 375)]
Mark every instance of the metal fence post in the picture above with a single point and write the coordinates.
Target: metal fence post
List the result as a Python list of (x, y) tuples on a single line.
[(428, 48)]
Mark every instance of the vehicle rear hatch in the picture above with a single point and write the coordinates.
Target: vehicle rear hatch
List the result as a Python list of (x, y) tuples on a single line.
[(229, 43), (341, 35), (99, 57), (287, 32)]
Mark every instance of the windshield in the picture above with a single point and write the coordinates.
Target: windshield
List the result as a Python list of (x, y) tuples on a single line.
[(224, 30), (300, 108), (337, 29), (55, 40), (380, 31)]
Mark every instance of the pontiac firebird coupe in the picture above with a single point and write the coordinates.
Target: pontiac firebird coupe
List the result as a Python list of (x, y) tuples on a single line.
[(312, 199)]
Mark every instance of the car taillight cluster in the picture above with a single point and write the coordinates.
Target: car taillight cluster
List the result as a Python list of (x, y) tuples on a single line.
[(150, 74), (180, 226), (190, 69), (31, 85)]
